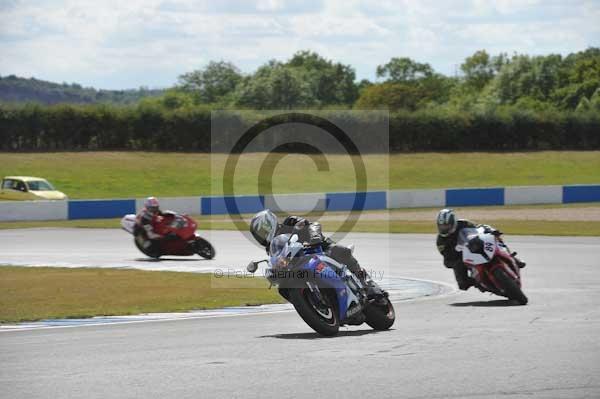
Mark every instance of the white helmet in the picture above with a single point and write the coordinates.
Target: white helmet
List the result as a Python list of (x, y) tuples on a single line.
[(263, 227), (151, 204)]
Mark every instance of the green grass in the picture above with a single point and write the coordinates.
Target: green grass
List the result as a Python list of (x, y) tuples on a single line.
[(494, 169), (139, 174), (34, 293)]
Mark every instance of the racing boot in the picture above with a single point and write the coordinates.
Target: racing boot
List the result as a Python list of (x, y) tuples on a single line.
[(465, 284), (462, 277), (343, 255), (373, 290), (518, 261)]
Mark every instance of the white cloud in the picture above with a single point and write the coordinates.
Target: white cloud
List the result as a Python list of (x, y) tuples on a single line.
[(150, 42)]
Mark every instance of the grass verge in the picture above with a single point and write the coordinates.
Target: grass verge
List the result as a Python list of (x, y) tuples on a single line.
[(35, 293), (139, 174)]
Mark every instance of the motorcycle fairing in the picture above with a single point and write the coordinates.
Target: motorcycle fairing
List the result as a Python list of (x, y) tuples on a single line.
[(329, 275), (480, 249), (128, 223)]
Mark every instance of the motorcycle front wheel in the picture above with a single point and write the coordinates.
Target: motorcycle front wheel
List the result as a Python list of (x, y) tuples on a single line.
[(511, 288), (380, 315), (319, 313)]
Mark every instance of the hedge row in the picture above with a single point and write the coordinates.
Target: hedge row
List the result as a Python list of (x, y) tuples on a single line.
[(59, 128)]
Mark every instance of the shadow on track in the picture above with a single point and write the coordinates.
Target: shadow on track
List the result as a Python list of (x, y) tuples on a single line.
[(493, 303), (314, 335)]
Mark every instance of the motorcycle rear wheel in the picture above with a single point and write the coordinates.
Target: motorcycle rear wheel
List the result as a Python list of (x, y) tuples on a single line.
[(380, 316), (510, 286), (204, 248), (321, 317)]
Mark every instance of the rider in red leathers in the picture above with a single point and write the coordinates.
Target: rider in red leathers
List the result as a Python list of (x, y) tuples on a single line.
[(144, 225)]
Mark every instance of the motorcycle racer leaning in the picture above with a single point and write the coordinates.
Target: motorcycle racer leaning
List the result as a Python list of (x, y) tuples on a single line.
[(265, 226), (448, 229), (144, 225)]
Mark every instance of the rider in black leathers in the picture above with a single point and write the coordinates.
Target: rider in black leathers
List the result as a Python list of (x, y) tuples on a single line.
[(448, 228)]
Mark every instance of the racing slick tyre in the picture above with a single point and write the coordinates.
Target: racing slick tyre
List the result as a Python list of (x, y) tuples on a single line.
[(380, 314), (204, 248), (510, 286), (319, 314)]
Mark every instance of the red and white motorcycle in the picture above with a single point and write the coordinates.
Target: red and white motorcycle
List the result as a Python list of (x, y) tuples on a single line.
[(490, 263), (184, 241)]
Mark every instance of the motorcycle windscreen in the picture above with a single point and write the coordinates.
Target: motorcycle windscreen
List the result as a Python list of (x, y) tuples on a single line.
[(178, 222), (464, 236), (283, 249)]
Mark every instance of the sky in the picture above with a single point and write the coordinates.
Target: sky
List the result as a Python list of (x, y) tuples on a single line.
[(119, 44)]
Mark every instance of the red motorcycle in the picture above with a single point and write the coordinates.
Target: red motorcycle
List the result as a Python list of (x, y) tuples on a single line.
[(490, 264), (180, 232)]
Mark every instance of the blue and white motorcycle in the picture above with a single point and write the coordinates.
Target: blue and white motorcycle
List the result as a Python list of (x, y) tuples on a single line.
[(325, 293)]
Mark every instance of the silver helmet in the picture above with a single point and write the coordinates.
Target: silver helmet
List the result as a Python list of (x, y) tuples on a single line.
[(263, 227), (446, 222)]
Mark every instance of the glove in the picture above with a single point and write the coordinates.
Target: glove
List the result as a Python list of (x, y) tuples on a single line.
[(490, 230), (295, 221), (327, 243), (314, 231)]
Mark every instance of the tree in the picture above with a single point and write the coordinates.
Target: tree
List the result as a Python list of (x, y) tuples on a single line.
[(273, 86), (589, 104), (480, 68), (363, 84), (174, 99), (584, 105), (213, 82), (286, 89), (595, 100), (404, 70), (390, 95), (525, 76), (583, 66), (580, 77), (306, 80), (330, 83), (418, 85), (436, 88)]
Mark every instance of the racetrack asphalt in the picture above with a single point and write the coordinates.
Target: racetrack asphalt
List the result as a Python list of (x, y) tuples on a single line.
[(461, 345)]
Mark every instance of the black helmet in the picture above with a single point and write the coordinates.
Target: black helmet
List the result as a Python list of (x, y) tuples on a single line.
[(446, 222)]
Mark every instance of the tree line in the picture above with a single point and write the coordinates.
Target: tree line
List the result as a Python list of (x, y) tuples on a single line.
[(307, 80), (486, 82), (497, 102)]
